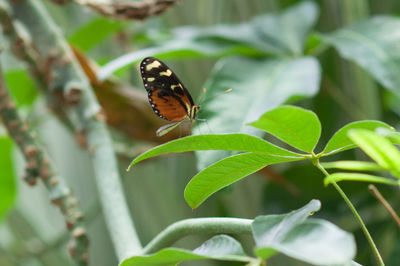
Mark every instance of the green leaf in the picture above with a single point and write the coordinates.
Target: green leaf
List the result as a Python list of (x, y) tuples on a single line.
[(226, 172), (341, 142), (234, 142), (258, 86), (287, 31), (296, 126), (391, 135), (374, 45), (94, 32), (353, 165), (378, 148), (221, 247), (359, 177), (7, 186), (21, 87), (279, 34), (314, 241), (269, 229)]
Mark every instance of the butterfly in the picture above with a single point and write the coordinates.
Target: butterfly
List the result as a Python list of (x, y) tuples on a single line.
[(167, 96)]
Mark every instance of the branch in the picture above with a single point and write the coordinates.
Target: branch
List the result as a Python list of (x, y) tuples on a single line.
[(38, 165), (22, 46), (193, 226), (83, 111), (126, 10)]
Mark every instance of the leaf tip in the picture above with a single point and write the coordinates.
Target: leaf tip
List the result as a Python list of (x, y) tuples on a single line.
[(130, 166)]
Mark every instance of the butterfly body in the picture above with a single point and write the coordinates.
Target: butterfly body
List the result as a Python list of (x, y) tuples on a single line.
[(167, 95)]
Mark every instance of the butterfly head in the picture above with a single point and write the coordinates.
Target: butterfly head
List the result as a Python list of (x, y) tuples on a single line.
[(193, 112)]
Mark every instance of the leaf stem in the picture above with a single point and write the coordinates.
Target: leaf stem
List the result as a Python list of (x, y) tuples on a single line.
[(355, 213)]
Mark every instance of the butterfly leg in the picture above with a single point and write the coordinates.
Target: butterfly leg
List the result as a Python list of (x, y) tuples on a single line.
[(167, 128)]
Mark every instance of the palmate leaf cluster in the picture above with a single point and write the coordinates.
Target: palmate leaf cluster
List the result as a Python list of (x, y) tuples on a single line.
[(287, 124)]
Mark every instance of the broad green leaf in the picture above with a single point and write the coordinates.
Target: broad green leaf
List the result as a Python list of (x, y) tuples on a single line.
[(258, 86), (234, 142), (374, 45), (226, 172), (21, 86), (270, 229), (341, 142), (353, 165), (94, 32), (296, 126), (289, 29), (314, 241), (336, 177), (7, 186), (221, 247), (283, 33), (378, 148)]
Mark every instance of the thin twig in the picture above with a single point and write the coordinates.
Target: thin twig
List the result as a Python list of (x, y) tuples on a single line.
[(385, 204), (38, 165), (38, 65)]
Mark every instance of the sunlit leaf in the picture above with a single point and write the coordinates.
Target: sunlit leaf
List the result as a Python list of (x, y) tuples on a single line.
[(226, 172), (341, 142), (353, 165), (94, 32), (296, 126), (337, 177), (378, 148), (21, 87), (391, 135), (7, 186), (233, 142)]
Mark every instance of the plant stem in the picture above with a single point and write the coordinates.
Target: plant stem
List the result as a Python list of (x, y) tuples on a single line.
[(186, 227), (355, 213)]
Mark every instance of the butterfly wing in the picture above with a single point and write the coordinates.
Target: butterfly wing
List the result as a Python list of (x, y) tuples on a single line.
[(167, 96)]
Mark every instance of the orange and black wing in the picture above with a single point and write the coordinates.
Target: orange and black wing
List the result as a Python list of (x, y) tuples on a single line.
[(167, 96)]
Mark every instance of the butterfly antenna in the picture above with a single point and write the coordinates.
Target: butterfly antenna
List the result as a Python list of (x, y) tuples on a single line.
[(202, 96)]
